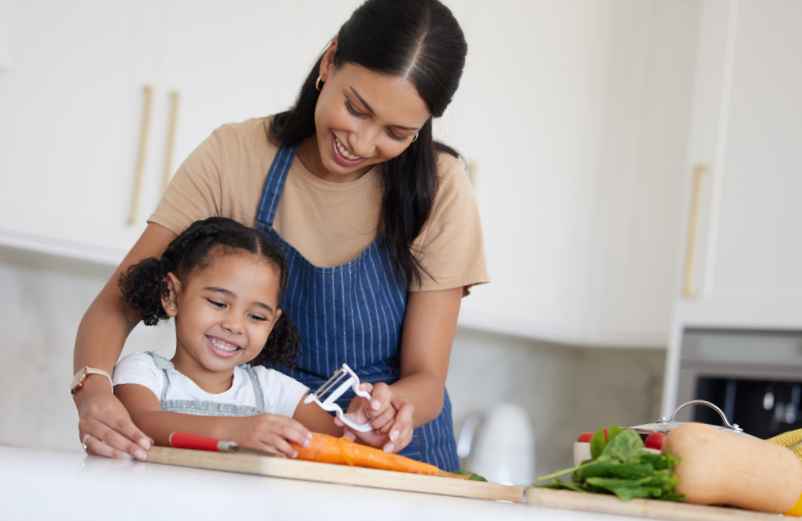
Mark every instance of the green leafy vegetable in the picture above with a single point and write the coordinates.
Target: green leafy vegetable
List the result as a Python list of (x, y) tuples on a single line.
[(471, 476), (619, 465)]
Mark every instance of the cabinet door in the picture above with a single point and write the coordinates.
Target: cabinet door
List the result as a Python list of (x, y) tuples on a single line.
[(72, 105), (744, 268), (241, 60), (577, 122)]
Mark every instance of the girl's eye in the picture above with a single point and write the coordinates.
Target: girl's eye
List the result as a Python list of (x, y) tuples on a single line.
[(216, 303), (353, 110), (260, 318)]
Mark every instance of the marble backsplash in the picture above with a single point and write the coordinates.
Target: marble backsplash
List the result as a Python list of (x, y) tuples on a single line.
[(564, 389)]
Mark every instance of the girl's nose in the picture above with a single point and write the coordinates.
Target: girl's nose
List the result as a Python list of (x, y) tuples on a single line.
[(232, 325)]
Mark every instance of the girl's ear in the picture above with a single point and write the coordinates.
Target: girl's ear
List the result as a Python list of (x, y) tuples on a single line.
[(327, 62), (170, 301)]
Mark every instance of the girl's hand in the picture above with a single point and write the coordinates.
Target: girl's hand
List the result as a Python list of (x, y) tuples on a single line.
[(104, 426), (271, 433), (390, 417)]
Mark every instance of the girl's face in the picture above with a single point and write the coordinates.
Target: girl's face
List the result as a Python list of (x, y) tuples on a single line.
[(362, 118), (223, 312)]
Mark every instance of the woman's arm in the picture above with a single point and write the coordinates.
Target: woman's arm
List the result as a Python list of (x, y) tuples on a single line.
[(104, 424), (417, 397), (428, 333)]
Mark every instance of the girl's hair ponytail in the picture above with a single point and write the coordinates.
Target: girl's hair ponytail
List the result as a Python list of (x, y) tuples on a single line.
[(143, 286)]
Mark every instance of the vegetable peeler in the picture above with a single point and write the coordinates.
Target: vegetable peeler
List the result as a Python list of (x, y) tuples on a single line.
[(326, 395)]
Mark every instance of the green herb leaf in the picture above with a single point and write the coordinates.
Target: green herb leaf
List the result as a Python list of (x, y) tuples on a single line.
[(620, 466)]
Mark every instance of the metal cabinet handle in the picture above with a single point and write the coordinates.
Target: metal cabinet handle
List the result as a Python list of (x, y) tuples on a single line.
[(169, 142), (688, 287), (139, 171)]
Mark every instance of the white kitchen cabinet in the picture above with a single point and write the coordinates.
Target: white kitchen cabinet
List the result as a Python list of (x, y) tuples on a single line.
[(72, 105), (242, 60), (576, 120), (742, 258)]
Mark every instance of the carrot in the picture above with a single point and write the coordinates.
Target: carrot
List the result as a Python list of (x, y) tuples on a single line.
[(328, 449)]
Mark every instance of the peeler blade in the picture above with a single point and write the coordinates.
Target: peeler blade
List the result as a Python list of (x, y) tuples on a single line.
[(326, 396)]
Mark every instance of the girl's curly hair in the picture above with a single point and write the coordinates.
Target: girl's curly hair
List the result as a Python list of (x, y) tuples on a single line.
[(144, 284)]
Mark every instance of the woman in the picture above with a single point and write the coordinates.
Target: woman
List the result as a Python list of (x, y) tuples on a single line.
[(377, 220)]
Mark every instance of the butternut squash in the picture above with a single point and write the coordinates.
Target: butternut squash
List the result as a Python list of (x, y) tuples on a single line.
[(724, 468)]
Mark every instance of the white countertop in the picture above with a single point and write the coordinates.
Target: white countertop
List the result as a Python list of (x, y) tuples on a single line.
[(42, 484)]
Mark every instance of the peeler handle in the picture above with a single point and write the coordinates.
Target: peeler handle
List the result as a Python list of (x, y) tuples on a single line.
[(188, 440), (361, 427)]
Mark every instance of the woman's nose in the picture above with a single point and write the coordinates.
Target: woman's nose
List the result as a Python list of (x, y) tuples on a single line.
[(363, 142)]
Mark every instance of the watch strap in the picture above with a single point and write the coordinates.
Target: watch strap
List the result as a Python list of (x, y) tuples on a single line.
[(80, 377)]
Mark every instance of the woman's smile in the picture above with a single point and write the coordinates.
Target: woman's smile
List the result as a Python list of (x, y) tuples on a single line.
[(342, 155)]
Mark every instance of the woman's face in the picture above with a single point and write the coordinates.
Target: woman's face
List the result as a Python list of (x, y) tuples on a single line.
[(362, 118)]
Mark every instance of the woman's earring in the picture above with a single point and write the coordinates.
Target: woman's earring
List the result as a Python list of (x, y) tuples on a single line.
[(415, 137), (318, 83)]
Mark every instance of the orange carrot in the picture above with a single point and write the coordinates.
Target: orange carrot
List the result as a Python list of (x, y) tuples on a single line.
[(328, 449)]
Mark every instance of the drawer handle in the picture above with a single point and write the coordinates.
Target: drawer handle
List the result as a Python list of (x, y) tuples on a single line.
[(139, 171), (688, 288), (169, 142)]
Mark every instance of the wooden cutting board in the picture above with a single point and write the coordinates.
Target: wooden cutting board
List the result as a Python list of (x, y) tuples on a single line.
[(646, 508), (251, 463)]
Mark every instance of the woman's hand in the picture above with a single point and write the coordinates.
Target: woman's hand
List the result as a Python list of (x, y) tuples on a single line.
[(390, 417), (270, 433), (104, 426)]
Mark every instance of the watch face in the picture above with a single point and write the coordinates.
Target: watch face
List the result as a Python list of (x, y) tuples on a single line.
[(78, 380)]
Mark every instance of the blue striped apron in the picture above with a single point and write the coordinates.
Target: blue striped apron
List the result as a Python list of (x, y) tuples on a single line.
[(350, 313)]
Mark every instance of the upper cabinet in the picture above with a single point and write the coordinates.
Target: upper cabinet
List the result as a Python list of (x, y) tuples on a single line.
[(577, 122), (74, 109), (742, 258)]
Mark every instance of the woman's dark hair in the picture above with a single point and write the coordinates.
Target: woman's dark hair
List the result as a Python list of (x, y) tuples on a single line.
[(421, 41), (144, 284)]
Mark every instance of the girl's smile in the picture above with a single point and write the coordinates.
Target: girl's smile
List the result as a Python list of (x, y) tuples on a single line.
[(222, 348)]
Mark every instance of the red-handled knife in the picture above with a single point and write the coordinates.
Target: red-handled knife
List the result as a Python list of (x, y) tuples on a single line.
[(187, 440)]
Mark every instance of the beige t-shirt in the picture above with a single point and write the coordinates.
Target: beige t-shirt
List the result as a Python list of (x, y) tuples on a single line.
[(328, 222)]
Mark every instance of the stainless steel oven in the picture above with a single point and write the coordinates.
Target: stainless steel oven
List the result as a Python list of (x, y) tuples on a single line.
[(754, 376)]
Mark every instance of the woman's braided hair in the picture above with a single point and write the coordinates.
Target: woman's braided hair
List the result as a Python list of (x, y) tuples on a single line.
[(144, 284)]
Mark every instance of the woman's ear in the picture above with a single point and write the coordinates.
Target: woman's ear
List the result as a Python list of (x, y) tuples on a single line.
[(170, 300), (327, 62)]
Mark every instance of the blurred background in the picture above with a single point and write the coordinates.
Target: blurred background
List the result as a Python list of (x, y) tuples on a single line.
[(636, 164)]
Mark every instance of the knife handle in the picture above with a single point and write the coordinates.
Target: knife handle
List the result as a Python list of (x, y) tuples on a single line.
[(187, 440)]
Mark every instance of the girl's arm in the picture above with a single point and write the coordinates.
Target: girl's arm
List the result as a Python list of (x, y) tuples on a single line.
[(270, 433), (104, 423)]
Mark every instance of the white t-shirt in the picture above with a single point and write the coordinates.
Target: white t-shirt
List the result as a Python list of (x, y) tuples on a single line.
[(281, 392)]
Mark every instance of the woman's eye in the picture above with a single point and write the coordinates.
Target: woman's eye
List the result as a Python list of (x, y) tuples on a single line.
[(353, 110), (395, 135), (216, 303)]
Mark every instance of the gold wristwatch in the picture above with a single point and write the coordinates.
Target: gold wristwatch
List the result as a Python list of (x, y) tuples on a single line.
[(80, 377)]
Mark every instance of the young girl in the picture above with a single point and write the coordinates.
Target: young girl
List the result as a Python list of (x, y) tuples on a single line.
[(222, 283)]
